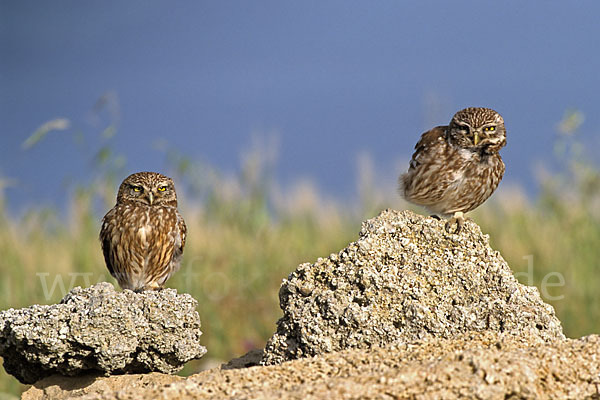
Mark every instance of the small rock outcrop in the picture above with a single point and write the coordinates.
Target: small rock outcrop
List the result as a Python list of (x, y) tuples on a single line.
[(406, 279), (98, 329)]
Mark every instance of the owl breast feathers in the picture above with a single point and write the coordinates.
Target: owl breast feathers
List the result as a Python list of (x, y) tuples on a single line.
[(455, 168), (143, 235)]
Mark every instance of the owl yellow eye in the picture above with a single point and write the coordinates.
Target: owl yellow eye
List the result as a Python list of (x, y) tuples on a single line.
[(137, 188), (489, 128), (162, 188)]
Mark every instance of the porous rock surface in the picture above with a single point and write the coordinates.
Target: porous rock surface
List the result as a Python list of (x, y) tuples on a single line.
[(483, 365), (405, 279), (101, 330), (407, 311)]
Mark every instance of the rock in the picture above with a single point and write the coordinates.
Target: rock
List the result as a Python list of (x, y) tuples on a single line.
[(407, 311), (100, 330), (250, 359), (59, 387), (405, 279), (486, 365)]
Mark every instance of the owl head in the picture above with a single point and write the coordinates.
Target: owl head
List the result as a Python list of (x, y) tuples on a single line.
[(149, 188), (477, 129)]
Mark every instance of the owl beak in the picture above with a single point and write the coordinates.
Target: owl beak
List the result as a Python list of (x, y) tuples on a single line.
[(476, 139), (150, 198)]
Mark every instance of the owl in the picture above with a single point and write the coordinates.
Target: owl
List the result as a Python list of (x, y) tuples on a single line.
[(455, 168), (143, 235)]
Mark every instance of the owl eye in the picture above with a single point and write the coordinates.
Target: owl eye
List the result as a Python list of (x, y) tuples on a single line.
[(137, 188), (464, 128), (162, 188), (489, 128)]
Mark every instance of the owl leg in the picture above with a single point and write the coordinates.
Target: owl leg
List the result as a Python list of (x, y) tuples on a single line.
[(457, 218), (153, 286)]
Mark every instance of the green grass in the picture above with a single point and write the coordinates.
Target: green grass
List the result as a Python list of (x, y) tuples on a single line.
[(242, 241), (246, 235)]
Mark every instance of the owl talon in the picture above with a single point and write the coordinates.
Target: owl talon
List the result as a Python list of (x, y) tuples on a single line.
[(457, 218), (154, 286)]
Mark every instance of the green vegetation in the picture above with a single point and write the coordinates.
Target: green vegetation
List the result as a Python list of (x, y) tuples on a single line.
[(246, 234)]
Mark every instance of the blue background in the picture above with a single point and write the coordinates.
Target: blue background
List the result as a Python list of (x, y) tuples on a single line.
[(328, 79)]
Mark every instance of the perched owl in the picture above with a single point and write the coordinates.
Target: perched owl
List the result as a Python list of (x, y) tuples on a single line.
[(455, 168), (143, 235)]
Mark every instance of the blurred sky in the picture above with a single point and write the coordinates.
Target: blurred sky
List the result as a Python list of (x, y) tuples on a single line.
[(329, 79)]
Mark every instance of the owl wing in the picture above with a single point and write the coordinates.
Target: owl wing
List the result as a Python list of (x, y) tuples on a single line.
[(421, 184), (179, 235), (182, 231), (105, 240), (428, 140)]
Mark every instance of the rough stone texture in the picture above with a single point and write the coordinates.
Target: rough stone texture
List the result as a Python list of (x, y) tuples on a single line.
[(250, 359), (99, 329), (484, 365), (59, 387), (405, 279)]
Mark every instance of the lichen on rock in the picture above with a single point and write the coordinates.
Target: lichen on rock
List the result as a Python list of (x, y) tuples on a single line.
[(99, 329), (405, 279)]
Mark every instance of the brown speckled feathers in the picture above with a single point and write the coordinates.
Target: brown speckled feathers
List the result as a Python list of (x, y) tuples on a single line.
[(143, 235)]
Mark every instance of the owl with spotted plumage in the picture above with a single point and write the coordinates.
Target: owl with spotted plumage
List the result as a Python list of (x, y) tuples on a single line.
[(143, 235), (455, 168)]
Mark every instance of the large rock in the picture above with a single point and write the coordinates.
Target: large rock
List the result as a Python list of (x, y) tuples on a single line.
[(414, 312), (99, 329), (487, 365), (405, 279)]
